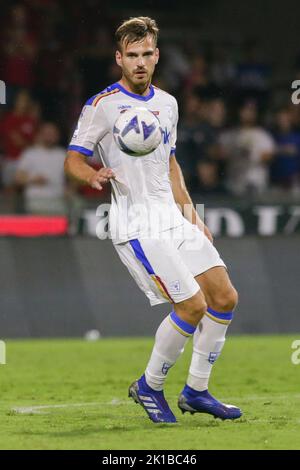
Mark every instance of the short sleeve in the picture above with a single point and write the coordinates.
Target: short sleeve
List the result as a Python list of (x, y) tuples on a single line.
[(174, 129), (92, 126)]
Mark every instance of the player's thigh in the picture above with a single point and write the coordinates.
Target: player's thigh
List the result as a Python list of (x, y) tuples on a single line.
[(167, 269), (218, 289), (197, 252), (209, 270), (158, 270)]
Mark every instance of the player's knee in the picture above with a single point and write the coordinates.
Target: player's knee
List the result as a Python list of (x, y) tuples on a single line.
[(225, 301), (192, 310), (197, 310)]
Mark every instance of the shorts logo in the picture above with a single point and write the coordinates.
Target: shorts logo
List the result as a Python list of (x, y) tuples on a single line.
[(165, 368), (175, 286), (213, 356)]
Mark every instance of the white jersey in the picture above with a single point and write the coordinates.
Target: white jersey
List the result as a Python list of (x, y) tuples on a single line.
[(142, 198)]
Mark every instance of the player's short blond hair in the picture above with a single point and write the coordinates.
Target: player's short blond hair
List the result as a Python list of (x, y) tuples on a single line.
[(135, 30)]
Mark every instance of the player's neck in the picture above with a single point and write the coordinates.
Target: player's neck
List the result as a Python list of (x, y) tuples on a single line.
[(142, 90)]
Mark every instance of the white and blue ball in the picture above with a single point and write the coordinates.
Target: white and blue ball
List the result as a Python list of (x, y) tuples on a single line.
[(137, 132)]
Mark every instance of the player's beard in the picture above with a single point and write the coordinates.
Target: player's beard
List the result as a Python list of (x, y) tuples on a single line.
[(138, 83)]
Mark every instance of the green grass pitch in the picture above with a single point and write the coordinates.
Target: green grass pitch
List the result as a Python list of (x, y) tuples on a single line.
[(72, 394)]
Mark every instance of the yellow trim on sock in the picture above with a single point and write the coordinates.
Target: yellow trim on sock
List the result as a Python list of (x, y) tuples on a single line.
[(217, 320), (184, 333)]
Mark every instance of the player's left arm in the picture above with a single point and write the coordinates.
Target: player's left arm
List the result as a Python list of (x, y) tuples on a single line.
[(182, 197)]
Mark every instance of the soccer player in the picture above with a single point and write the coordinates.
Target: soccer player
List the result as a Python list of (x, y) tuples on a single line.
[(181, 265)]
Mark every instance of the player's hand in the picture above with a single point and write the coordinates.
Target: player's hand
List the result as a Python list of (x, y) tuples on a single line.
[(101, 177)]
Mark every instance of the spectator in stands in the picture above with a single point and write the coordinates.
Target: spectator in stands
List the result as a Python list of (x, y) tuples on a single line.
[(17, 131), (19, 50), (216, 114), (40, 172), (95, 61), (174, 67), (286, 164), (249, 150), (223, 70), (216, 118), (252, 78), (197, 76), (191, 138), (208, 177)]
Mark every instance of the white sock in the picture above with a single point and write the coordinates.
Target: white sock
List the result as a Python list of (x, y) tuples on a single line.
[(170, 340), (208, 342)]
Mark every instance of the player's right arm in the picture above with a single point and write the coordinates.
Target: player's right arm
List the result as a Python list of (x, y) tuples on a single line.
[(77, 167), (91, 128)]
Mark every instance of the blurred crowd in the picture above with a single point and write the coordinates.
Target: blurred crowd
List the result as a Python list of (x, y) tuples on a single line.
[(237, 136)]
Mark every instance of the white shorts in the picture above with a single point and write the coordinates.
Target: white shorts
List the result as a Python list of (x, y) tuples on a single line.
[(165, 268)]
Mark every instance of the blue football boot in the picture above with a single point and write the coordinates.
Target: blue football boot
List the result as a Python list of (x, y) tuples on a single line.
[(202, 402), (153, 401)]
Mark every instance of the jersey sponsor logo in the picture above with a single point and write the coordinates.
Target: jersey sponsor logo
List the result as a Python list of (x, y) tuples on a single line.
[(166, 135)]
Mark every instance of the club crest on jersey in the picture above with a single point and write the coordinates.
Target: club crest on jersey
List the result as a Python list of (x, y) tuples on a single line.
[(213, 356)]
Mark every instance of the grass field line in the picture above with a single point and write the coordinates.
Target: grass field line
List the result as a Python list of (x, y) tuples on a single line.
[(40, 409)]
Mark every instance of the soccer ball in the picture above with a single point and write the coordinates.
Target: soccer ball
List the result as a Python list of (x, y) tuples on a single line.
[(137, 132)]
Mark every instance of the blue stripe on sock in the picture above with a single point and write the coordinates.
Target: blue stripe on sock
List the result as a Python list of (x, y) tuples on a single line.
[(221, 316), (186, 327)]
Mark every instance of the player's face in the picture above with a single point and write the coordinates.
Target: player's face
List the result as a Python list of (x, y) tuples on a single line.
[(138, 61)]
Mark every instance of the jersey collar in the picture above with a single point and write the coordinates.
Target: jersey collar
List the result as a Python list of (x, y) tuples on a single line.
[(134, 95)]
